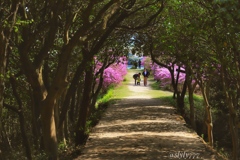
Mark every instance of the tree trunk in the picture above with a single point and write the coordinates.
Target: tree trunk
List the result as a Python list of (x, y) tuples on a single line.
[(233, 118), (180, 99), (49, 130), (234, 133), (5, 139), (192, 109), (96, 93), (208, 113), (84, 108), (60, 128), (86, 99), (71, 92), (56, 112), (25, 137), (5, 34), (3, 57), (44, 103), (176, 90), (191, 100), (36, 122), (19, 111), (233, 123), (180, 104), (174, 84)]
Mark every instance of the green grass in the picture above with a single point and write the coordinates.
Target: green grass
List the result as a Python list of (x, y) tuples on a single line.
[(169, 100), (155, 85), (105, 98), (123, 91), (198, 102)]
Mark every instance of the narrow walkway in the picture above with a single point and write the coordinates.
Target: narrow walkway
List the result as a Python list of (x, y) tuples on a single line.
[(142, 127)]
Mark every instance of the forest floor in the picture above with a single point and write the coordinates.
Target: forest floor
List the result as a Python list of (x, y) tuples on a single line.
[(140, 126)]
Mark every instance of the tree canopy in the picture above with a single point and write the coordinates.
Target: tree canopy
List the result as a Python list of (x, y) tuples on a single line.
[(53, 55)]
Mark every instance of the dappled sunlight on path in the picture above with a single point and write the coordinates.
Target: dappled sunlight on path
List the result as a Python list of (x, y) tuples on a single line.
[(139, 127), (142, 129), (141, 92)]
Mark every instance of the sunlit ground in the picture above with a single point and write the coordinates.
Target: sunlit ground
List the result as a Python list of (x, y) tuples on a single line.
[(139, 126), (128, 89), (142, 129)]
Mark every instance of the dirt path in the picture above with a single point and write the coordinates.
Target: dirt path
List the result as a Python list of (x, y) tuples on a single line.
[(141, 127)]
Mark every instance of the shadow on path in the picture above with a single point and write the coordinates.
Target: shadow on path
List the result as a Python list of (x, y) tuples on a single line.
[(143, 129)]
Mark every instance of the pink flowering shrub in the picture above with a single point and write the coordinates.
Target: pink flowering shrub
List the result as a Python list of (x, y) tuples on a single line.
[(114, 74), (163, 75)]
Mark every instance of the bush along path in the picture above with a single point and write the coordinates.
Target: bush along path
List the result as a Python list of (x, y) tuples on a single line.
[(140, 126)]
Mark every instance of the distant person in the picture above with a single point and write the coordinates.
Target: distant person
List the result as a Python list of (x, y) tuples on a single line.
[(139, 79), (135, 77), (139, 64), (145, 76), (135, 64)]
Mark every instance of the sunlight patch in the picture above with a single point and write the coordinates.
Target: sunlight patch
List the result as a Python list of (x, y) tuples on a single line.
[(130, 122), (138, 97), (146, 133)]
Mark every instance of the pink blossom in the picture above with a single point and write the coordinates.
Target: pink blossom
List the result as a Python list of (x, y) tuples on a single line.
[(114, 74), (163, 75)]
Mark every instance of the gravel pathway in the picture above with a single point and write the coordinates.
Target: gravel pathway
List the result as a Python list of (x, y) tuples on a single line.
[(140, 127)]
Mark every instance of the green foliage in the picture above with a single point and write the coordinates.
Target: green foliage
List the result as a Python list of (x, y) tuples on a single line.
[(89, 124), (222, 151), (62, 146), (41, 156), (169, 100), (105, 99), (201, 34), (155, 85), (198, 103), (22, 23)]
